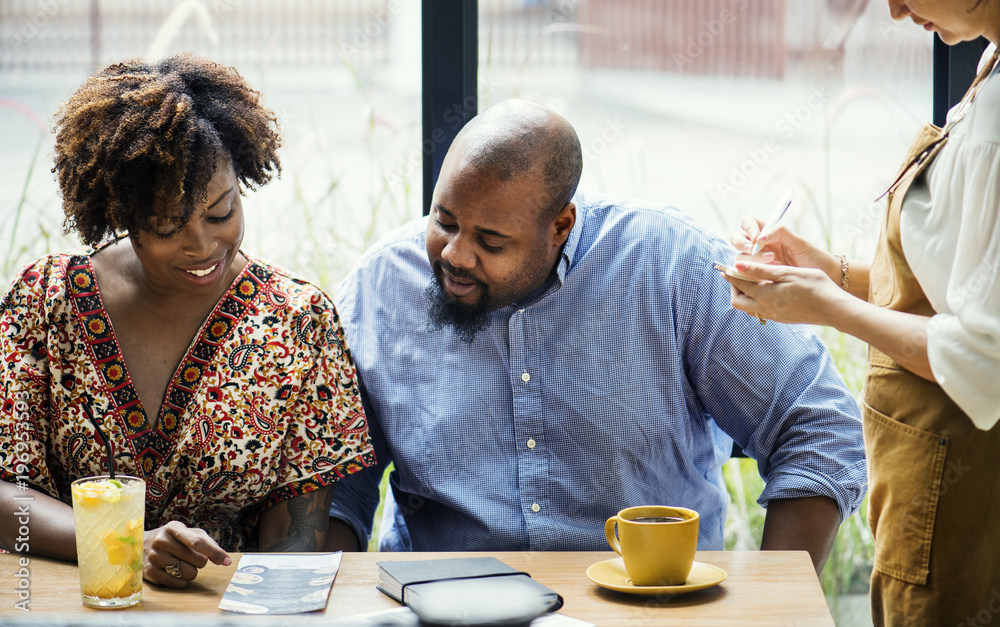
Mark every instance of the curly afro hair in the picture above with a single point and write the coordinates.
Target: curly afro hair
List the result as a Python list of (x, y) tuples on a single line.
[(138, 143)]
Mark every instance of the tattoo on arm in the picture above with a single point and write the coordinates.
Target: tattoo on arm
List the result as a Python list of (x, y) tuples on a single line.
[(308, 515)]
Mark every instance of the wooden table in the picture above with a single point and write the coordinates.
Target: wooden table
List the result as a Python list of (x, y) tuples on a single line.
[(763, 588)]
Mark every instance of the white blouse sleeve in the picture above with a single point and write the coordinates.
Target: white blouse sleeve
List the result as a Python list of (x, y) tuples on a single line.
[(963, 340)]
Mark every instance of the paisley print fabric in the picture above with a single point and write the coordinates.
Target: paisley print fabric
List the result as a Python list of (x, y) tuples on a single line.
[(264, 405)]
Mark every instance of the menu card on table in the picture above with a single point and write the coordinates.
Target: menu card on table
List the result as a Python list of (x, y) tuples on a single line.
[(281, 583)]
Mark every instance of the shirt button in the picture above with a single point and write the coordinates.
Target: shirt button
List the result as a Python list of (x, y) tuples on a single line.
[(525, 377), (535, 507), (531, 443)]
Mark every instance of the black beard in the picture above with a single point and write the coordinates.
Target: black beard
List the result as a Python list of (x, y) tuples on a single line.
[(466, 320)]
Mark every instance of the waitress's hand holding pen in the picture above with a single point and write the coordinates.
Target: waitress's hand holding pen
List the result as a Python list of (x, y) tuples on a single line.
[(779, 245), (773, 221), (772, 242), (781, 275)]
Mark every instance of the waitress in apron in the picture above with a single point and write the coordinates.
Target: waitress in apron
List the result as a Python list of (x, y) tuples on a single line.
[(929, 308)]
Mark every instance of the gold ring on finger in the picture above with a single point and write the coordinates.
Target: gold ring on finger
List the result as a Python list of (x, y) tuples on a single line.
[(174, 570)]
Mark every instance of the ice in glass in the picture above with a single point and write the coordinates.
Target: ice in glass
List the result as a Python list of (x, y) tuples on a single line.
[(109, 531)]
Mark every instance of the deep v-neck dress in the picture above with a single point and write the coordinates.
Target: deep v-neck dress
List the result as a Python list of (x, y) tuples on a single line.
[(263, 406)]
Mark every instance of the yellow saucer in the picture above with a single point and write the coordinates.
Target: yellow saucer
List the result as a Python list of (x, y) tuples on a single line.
[(611, 574)]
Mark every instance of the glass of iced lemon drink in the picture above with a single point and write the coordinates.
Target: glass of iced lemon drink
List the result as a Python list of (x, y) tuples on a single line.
[(108, 514)]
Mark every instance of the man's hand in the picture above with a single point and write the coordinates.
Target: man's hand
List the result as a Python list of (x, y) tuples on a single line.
[(184, 550), (808, 524)]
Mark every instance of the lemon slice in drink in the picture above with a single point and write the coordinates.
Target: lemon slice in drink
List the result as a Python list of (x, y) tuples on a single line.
[(93, 493), (114, 492)]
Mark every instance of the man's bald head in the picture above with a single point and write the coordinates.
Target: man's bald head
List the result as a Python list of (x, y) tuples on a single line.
[(517, 137)]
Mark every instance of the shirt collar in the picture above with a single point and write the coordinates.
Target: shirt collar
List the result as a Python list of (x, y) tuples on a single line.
[(569, 248), (565, 261)]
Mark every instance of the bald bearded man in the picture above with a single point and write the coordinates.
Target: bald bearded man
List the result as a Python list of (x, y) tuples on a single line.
[(534, 360)]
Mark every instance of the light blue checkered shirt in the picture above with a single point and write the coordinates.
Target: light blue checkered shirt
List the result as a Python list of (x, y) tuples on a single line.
[(623, 382)]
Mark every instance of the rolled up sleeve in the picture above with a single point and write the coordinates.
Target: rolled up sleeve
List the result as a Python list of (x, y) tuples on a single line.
[(775, 390)]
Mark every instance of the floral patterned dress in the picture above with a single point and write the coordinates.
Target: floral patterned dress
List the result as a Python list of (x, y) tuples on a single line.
[(264, 405)]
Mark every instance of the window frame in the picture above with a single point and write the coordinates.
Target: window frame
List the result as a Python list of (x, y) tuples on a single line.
[(449, 42), (954, 69)]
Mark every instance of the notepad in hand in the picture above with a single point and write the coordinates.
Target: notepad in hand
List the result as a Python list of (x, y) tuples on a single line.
[(731, 271)]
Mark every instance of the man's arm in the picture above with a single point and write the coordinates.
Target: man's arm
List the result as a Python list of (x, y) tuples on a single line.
[(775, 390), (341, 537), (298, 524), (809, 524), (352, 512)]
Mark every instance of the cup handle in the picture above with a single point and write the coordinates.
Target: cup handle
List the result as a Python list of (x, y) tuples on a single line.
[(609, 533)]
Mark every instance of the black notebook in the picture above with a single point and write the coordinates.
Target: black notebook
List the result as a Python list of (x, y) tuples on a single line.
[(466, 591), (394, 576)]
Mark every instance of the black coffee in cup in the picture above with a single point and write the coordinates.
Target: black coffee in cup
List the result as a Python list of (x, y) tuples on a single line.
[(657, 519)]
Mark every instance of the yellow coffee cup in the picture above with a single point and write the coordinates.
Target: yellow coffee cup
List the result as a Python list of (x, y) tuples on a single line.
[(656, 542)]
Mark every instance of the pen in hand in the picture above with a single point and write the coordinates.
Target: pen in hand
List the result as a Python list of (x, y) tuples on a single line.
[(776, 216)]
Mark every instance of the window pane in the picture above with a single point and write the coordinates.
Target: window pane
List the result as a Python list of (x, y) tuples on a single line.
[(342, 76), (719, 106)]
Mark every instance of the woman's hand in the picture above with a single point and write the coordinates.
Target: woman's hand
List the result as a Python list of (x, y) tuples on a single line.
[(181, 550), (783, 246), (787, 294)]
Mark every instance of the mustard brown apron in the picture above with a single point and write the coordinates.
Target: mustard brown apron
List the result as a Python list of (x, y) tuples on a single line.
[(933, 478)]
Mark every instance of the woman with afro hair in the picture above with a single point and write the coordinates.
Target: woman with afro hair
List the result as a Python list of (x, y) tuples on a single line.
[(221, 380)]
